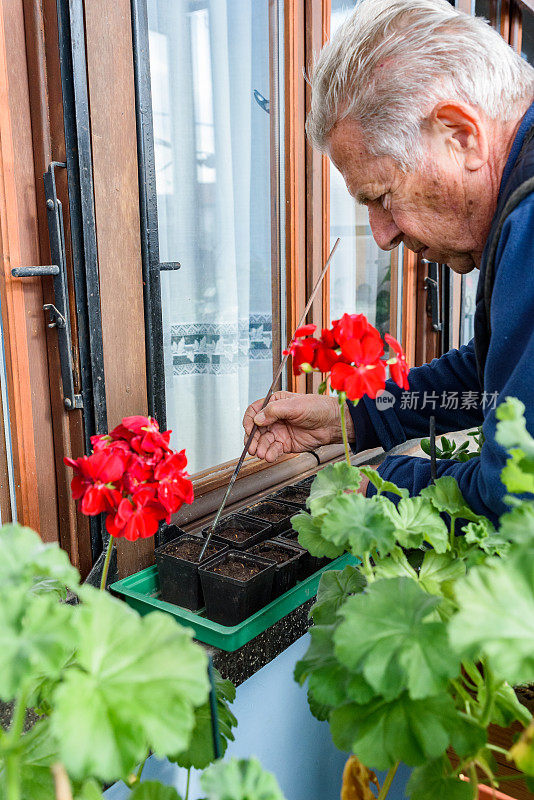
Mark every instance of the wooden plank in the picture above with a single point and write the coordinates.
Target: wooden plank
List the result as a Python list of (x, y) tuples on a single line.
[(316, 192), (516, 26), (295, 170), (409, 305), (24, 323), (48, 138), (114, 144)]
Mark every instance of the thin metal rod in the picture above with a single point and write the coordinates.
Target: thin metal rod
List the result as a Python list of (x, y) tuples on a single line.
[(433, 465), (266, 400)]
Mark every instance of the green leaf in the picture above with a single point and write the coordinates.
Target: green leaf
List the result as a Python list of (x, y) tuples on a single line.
[(90, 791), (396, 565), (29, 564), (506, 706), (445, 495), (386, 636), (331, 482), (200, 751), (482, 533), (518, 473), (435, 781), (154, 790), (240, 779), (417, 521), (496, 616), (37, 637), (381, 485), (359, 524), (144, 677), (382, 733), (327, 678), (439, 572), (517, 525), (334, 588), (310, 536), (37, 753), (320, 711), (512, 429)]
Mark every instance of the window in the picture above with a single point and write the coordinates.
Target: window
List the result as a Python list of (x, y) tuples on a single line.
[(363, 278), (213, 70)]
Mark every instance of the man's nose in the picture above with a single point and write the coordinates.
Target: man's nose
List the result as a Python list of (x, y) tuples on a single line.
[(386, 233)]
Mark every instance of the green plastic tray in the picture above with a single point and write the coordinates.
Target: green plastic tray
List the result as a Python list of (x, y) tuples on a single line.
[(141, 591)]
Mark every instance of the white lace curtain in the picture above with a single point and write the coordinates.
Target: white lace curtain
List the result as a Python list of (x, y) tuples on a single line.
[(212, 174)]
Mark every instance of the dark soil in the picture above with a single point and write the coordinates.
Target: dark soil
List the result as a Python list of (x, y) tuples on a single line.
[(234, 534), (189, 549), (278, 554), (238, 568), (291, 535), (294, 494), (270, 512)]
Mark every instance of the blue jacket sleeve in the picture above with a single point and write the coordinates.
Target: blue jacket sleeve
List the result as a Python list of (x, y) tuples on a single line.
[(447, 388), (508, 373)]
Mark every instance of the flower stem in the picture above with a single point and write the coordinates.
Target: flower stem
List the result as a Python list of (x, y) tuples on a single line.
[(105, 569), (187, 784), (342, 404), (12, 760), (386, 786)]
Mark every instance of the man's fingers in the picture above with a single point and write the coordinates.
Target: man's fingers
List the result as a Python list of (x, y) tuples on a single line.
[(274, 411), (250, 413), (274, 452)]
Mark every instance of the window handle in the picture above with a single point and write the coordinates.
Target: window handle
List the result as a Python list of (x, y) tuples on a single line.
[(59, 310)]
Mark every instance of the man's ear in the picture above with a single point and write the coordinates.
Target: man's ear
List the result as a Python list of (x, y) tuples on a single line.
[(463, 131)]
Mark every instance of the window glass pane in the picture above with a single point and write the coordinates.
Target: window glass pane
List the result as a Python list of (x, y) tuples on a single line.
[(527, 37), (361, 273), (210, 74)]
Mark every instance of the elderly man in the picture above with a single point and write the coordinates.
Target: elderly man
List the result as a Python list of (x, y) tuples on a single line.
[(429, 116)]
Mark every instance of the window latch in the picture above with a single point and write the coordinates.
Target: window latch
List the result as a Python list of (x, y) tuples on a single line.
[(432, 297), (59, 310)]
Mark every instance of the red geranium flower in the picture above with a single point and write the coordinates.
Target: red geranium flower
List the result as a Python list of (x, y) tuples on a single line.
[(356, 381), (398, 369), (173, 485), (146, 433), (136, 518), (302, 351)]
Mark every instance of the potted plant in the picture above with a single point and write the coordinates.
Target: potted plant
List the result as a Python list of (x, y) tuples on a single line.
[(417, 649), (236, 585), (287, 560), (178, 562)]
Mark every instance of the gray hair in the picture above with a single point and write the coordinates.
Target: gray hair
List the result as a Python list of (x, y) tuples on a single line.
[(391, 61)]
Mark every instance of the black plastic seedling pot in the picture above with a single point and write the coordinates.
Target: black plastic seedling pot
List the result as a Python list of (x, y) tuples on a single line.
[(296, 495), (308, 564), (287, 560), (239, 532), (178, 571), (270, 512), (231, 599)]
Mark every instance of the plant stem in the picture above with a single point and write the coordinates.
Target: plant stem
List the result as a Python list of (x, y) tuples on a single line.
[(141, 768), (13, 758), (105, 569), (187, 784), (490, 690), (473, 778), (388, 781), (342, 404)]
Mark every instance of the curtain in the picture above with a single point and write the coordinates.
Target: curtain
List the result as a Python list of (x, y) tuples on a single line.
[(212, 175)]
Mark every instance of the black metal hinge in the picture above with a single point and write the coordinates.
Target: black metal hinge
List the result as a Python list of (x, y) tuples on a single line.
[(432, 298), (59, 310)]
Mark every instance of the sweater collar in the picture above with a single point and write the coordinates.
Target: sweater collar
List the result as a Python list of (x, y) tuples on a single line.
[(526, 124)]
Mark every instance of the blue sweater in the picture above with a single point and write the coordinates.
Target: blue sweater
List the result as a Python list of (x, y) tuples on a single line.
[(509, 372)]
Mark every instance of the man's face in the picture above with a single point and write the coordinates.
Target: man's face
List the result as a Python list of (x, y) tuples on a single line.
[(432, 210)]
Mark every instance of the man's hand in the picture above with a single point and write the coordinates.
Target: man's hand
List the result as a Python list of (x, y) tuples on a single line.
[(294, 423)]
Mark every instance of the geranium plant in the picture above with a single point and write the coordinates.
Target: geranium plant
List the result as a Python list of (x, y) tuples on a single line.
[(417, 648), (134, 478), (351, 356)]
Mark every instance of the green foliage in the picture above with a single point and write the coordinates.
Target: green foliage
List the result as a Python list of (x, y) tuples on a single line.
[(448, 449), (200, 750), (446, 497), (310, 536), (358, 524), (37, 752), (436, 781), (334, 588), (381, 485), (142, 697), (484, 624), (421, 653), (29, 565), (416, 521), (331, 482), (388, 637), (153, 790), (240, 779)]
